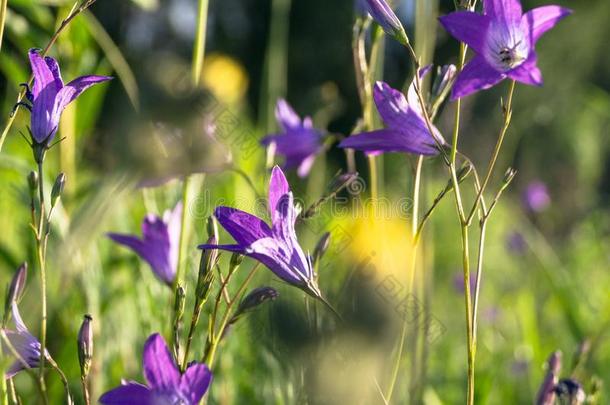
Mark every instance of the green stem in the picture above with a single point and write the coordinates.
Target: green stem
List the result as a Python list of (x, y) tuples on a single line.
[(414, 248), (199, 46), (477, 286), (184, 234), (492, 163), (216, 337), (468, 305), (3, 7), (40, 249), (374, 186)]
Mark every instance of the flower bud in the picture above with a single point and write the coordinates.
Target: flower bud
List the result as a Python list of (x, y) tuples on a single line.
[(15, 289), (443, 82), (179, 303), (33, 183), (386, 18), (321, 247), (58, 188), (236, 260), (255, 298), (85, 346), (340, 181), (209, 258)]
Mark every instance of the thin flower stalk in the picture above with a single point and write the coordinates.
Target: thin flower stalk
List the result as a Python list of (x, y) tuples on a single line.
[(199, 46), (41, 247), (214, 338), (508, 112), (3, 7)]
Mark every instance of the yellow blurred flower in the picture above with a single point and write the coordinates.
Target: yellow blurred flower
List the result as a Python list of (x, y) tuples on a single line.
[(382, 239), (226, 78)]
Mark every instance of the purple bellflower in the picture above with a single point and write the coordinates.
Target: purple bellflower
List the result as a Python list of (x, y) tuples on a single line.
[(23, 343), (49, 96), (299, 141), (503, 39), (159, 244), (277, 246), (165, 384), (406, 129)]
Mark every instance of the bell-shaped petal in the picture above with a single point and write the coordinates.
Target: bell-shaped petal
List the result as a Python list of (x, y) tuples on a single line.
[(299, 141), (504, 39), (276, 247), (166, 385), (476, 75), (542, 19), (160, 370), (195, 382), (278, 187), (159, 244), (22, 343), (51, 96), (468, 27), (243, 227), (406, 130), (128, 394)]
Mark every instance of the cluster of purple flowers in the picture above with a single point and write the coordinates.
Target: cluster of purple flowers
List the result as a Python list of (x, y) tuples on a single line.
[(503, 39)]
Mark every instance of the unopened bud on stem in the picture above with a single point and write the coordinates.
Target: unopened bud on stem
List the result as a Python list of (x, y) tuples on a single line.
[(255, 298), (209, 258), (85, 346), (33, 183), (321, 247), (58, 188), (236, 260)]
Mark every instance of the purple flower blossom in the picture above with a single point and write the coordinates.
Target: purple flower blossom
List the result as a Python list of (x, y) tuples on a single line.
[(159, 243), (49, 96), (23, 343), (299, 141), (406, 129), (165, 384), (503, 39), (277, 246), (383, 15), (536, 197)]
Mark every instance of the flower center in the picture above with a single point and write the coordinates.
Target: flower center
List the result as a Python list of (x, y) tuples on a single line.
[(510, 58), (507, 47)]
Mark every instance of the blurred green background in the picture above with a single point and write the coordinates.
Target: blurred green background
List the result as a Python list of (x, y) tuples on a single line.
[(550, 291)]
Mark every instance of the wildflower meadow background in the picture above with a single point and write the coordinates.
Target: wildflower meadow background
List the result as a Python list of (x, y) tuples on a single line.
[(305, 202)]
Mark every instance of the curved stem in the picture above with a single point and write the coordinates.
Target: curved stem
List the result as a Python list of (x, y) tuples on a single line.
[(507, 118)]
